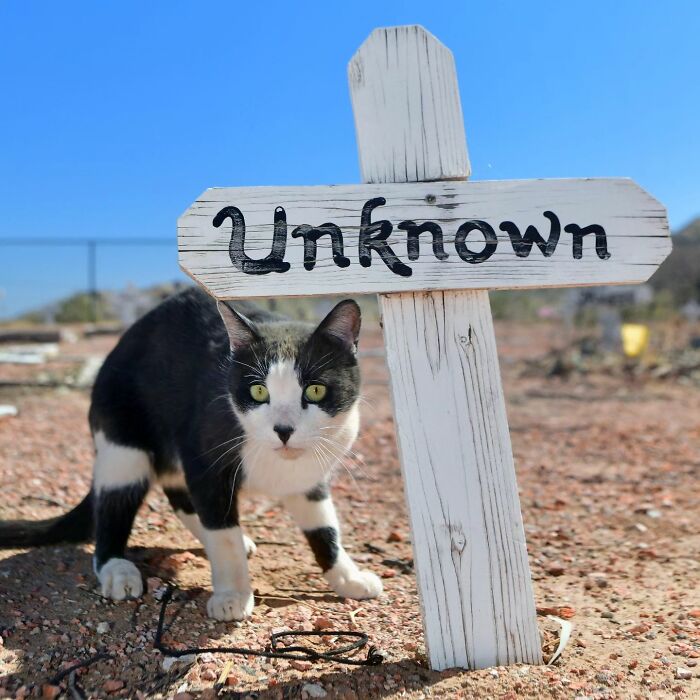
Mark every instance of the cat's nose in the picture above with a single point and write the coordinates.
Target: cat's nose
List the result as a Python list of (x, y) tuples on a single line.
[(284, 432)]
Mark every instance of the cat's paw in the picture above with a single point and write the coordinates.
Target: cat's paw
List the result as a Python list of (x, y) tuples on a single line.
[(120, 579), (250, 546), (354, 583), (230, 605)]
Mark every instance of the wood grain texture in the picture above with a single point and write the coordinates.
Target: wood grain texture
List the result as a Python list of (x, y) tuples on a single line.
[(634, 223), (468, 538), (471, 559), (420, 91)]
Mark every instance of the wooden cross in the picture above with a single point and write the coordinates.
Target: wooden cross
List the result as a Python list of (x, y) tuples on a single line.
[(431, 244)]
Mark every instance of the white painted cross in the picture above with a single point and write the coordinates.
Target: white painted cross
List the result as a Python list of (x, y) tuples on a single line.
[(431, 244)]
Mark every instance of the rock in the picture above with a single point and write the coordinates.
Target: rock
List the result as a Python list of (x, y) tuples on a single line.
[(183, 696), (684, 673), (50, 691), (170, 661), (154, 584), (597, 578), (208, 674), (300, 665), (112, 685), (102, 628), (555, 569), (395, 537), (322, 623), (314, 690)]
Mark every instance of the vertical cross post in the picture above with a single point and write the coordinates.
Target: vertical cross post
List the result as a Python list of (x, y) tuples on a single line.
[(468, 538)]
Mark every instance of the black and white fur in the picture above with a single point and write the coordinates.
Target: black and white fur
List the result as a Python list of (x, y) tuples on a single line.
[(172, 405)]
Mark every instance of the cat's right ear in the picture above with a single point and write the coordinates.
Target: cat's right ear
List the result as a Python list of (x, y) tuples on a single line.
[(241, 331)]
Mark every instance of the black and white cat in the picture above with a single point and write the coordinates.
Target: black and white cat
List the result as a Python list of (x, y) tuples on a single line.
[(209, 402)]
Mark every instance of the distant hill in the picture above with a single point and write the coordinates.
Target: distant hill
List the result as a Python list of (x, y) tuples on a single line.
[(680, 272)]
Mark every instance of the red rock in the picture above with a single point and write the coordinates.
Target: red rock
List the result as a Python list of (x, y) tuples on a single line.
[(112, 685), (232, 680), (50, 691), (694, 613), (322, 623), (300, 665), (395, 536), (388, 573)]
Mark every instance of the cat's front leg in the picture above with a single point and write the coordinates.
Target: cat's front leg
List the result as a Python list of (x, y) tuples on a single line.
[(315, 514), (225, 546), (233, 595)]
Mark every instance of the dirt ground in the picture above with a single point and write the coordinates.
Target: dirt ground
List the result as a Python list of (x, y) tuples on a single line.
[(608, 475)]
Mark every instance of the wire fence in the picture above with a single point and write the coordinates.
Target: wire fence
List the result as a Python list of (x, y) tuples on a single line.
[(102, 276)]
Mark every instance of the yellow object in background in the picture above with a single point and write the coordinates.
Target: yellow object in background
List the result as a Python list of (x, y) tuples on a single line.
[(635, 339)]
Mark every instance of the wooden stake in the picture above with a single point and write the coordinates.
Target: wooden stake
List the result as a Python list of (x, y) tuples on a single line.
[(470, 553)]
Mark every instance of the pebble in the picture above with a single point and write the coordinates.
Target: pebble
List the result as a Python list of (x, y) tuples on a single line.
[(322, 623), (112, 685), (50, 691), (555, 569), (300, 665), (395, 537), (314, 690), (102, 628), (170, 661), (684, 673)]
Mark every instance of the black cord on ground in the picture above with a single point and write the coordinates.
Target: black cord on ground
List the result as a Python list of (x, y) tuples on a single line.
[(273, 651)]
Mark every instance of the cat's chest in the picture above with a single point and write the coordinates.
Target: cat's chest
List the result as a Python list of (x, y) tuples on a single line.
[(265, 472)]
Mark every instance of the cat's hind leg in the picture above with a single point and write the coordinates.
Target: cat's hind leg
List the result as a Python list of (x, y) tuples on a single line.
[(315, 514), (121, 481)]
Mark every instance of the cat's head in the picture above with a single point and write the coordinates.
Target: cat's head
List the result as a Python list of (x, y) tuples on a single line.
[(295, 387)]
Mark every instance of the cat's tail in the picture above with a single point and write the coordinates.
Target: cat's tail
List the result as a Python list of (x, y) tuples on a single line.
[(75, 526)]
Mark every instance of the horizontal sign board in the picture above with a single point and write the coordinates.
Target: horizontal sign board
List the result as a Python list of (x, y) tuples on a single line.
[(354, 239)]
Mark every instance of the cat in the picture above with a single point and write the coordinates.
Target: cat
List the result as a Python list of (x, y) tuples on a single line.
[(210, 401)]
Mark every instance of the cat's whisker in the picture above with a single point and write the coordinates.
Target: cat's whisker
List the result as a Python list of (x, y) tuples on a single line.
[(339, 460), (240, 438), (345, 451)]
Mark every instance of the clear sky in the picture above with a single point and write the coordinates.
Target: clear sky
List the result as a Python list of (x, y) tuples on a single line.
[(115, 116)]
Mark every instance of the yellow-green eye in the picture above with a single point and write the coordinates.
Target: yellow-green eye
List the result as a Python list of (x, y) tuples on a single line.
[(315, 392), (259, 393)]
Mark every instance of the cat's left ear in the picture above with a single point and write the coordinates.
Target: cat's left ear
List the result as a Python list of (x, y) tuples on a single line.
[(241, 331), (343, 323)]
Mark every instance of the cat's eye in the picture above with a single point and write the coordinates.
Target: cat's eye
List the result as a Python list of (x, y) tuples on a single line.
[(259, 393), (315, 392)]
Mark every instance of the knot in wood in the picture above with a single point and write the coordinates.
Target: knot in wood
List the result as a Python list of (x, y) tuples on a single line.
[(458, 538)]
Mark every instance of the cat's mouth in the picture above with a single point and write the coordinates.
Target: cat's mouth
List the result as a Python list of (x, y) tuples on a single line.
[(287, 452)]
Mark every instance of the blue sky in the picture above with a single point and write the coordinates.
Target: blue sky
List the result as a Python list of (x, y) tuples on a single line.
[(114, 116)]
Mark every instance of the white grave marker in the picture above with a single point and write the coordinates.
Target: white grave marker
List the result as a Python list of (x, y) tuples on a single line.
[(430, 244)]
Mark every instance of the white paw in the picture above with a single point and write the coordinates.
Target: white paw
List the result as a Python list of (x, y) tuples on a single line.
[(353, 583), (120, 579), (250, 546), (230, 605)]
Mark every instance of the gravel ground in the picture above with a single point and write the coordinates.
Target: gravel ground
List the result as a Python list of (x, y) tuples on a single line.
[(608, 475)]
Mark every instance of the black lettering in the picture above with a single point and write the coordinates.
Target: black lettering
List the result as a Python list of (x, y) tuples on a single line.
[(373, 237), (460, 241), (273, 262), (522, 245), (412, 240), (311, 235), (601, 240)]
